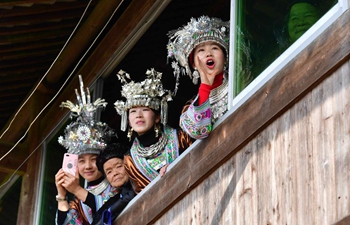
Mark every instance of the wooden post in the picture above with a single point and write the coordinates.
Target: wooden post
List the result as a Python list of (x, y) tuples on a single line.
[(29, 189)]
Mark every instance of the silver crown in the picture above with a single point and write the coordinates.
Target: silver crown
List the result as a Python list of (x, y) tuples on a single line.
[(85, 135), (183, 40), (149, 93)]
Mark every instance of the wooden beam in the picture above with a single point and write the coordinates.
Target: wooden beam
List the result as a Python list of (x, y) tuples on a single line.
[(13, 159), (295, 80)]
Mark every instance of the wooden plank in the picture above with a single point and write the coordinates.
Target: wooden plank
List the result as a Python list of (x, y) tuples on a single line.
[(40, 27), (278, 95), (43, 8), (342, 126), (44, 17), (302, 149), (21, 2), (27, 66), (32, 45), (255, 190), (36, 53), (274, 191), (17, 78), (42, 35), (318, 162)]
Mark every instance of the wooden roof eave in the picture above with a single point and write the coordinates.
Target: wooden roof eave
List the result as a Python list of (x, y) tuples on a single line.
[(70, 55)]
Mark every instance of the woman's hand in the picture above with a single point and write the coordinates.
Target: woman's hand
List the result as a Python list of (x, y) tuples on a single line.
[(71, 184), (163, 170), (61, 191), (207, 76)]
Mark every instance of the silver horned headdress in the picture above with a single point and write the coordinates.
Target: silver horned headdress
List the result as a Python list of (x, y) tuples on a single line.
[(149, 93), (183, 40), (85, 135)]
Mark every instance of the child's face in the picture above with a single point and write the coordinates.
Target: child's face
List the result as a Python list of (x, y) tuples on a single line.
[(210, 56)]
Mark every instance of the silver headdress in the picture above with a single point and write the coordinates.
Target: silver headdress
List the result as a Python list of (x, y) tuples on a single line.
[(85, 135), (183, 40), (149, 93)]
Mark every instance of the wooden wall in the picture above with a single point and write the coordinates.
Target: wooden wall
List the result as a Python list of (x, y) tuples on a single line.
[(296, 171)]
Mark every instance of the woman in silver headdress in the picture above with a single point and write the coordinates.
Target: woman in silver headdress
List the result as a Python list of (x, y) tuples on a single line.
[(200, 50), (156, 144), (86, 138)]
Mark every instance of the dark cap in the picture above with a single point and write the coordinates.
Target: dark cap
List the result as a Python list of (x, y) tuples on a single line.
[(114, 150)]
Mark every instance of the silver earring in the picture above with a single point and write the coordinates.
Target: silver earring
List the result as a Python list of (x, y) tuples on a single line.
[(156, 129), (225, 68), (129, 135), (195, 76)]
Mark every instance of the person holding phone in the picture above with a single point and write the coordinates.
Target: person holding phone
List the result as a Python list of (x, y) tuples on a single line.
[(84, 139)]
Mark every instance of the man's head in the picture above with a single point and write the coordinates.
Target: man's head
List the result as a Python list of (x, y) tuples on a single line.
[(302, 16), (110, 162)]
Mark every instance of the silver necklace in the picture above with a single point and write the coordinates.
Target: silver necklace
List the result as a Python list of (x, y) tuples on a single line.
[(154, 149), (219, 93), (218, 101), (99, 188)]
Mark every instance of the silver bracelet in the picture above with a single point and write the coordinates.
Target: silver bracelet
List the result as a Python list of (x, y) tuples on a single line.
[(61, 199)]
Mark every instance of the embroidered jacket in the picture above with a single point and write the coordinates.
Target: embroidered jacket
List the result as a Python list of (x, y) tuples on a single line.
[(197, 121), (142, 170)]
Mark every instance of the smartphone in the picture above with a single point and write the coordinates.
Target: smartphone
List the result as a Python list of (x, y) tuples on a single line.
[(70, 163)]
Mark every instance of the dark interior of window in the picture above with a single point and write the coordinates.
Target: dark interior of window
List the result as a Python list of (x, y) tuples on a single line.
[(150, 52)]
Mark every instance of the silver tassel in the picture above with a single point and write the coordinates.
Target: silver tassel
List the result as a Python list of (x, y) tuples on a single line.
[(164, 112), (195, 76), (123, 123)]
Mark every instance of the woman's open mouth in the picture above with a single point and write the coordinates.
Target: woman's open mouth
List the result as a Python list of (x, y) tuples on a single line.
[(210, 63)]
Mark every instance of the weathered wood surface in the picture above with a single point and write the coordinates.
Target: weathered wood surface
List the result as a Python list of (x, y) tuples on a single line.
[(273, 186), (296, 171), (29, 189)]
